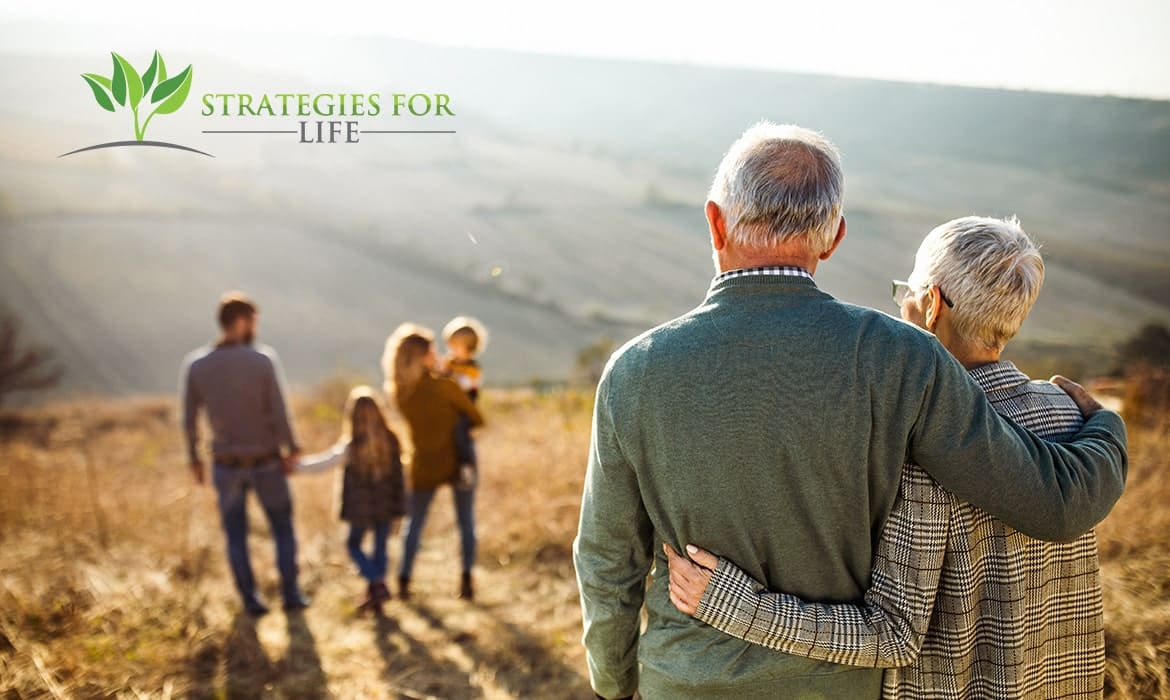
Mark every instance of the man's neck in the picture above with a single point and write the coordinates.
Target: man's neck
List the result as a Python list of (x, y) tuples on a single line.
[(748, 261)]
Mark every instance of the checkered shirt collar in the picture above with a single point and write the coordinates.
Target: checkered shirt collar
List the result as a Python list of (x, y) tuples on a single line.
[(772, 270)]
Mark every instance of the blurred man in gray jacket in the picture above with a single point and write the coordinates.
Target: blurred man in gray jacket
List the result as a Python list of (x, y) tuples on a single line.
[(240, 386)]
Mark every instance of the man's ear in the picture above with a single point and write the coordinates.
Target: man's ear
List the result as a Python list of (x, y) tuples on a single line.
[(716, 224), (935, 311), (836, 241)]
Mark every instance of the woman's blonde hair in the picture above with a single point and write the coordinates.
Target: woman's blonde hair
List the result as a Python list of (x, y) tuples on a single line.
[(402, 361), (370, 451)]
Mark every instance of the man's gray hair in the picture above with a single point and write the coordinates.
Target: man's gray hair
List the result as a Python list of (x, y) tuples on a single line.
[(778, 183), (989, 268)]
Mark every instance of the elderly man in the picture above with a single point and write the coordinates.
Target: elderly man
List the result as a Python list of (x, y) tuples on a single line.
[(771, 424), (962, 603)]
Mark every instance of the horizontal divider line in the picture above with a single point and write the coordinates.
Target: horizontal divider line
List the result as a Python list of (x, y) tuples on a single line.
[(361, 131)]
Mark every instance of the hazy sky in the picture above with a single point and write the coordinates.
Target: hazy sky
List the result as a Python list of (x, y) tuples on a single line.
[(1115, 47)]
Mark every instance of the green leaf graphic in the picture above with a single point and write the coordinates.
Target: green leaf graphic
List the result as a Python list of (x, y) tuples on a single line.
[(100, 85), (127, 86), (102, 80), (172, 92), (152, 73), (133, 81), (119, 82)]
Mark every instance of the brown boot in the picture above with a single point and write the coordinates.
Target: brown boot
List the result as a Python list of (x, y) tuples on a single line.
[(404, 588), (381, 593), (467, 588), (371, 600)]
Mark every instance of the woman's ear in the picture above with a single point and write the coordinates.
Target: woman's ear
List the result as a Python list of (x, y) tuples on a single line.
[(934, 307)]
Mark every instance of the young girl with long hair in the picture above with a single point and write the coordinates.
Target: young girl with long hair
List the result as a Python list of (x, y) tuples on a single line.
[(372, 488)]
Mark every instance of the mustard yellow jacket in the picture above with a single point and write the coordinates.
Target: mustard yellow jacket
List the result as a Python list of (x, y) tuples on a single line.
[(432, 411)]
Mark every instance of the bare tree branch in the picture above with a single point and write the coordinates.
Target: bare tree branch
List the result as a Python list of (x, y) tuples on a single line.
[(27, 367)]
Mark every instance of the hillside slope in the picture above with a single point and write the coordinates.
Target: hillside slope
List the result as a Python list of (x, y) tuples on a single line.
[(567, 212)]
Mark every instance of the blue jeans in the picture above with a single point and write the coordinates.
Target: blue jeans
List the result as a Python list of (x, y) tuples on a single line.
[(371, 568), (271, 487), (420, 504), (464, 444)]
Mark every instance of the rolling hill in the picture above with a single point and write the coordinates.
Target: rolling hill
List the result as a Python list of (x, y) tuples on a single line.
[(566, 208)]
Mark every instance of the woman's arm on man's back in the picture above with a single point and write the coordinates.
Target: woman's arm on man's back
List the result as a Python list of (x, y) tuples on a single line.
[(885, 630)]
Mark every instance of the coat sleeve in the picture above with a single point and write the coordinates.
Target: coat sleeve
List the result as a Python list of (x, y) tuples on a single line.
[(612, 555), (1048, 491), (323, 461), (886, 629)]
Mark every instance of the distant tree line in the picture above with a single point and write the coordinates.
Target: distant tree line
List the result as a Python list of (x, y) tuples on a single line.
[(1144, 361), (1148, 348), (591, 361)]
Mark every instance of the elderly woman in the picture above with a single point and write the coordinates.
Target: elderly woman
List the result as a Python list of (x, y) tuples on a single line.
[(960, 605), (432, 407)]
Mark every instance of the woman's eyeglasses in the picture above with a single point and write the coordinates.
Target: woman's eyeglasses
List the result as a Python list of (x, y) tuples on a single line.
[(902, 289)]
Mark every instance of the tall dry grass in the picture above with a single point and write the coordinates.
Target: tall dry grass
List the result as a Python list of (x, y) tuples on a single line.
[(113, 583), (1134, 544)]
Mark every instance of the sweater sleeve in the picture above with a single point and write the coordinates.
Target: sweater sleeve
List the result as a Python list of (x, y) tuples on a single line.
[(612, 556), (323, 461), (886, 629), (191, 402), (1048, 491)]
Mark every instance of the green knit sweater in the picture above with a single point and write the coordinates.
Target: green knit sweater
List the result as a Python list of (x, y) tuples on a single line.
[(770, 424)]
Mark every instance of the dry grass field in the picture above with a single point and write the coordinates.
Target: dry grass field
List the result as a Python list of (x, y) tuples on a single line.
[(113, 581)]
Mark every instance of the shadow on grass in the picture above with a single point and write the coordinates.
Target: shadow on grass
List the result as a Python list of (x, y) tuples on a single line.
[(412, 672), (519, 662), (247, 670), (299, 673)]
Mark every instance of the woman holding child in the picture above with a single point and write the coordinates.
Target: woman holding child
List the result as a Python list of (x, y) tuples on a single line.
[(438, 413), (433, 407)]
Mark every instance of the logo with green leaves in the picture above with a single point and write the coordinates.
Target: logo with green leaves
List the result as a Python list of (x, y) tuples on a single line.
[(146, 95)]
